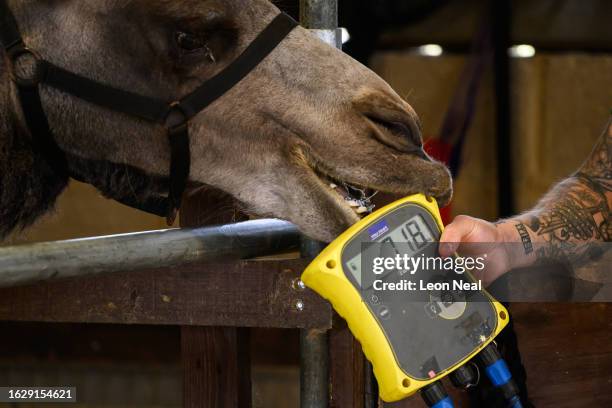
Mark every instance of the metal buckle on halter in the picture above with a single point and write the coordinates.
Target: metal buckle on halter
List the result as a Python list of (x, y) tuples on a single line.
[(176, 117), (21, 56)]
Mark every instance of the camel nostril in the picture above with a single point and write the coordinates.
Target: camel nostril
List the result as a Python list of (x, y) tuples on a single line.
[(402, 135), (412, 133)]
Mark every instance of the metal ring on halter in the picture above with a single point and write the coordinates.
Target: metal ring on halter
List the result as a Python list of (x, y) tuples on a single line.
[(20, 52), (176, 117)]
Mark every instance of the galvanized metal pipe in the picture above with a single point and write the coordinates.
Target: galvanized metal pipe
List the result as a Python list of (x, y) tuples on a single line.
[(24, 264), (321, 16), (314, 349), (314, 369)]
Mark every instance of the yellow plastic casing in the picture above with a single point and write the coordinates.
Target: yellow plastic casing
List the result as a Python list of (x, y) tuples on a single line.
[(325, 276)]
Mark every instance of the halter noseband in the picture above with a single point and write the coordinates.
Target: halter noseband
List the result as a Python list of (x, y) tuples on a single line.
[(174, 116)]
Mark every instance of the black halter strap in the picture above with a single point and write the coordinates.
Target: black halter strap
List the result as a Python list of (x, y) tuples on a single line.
[(174, 116)]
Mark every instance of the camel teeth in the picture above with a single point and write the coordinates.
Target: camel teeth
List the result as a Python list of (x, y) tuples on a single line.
[(332, 185), (361, 210), (353, 203)]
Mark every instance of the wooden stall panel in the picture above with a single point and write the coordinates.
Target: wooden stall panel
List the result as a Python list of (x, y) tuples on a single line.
[(561, 104), (567, 353), (243, 294)]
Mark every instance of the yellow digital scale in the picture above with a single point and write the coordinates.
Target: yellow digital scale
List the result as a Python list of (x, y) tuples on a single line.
[(412, 338)]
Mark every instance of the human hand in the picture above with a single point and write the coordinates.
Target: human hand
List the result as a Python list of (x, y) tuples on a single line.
[(474, 237)]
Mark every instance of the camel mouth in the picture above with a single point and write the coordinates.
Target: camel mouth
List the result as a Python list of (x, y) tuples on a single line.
[(357, 198)]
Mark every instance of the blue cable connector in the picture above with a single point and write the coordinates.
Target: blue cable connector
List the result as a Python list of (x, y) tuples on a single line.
[(445, 403), (435, 396), (498, 372)]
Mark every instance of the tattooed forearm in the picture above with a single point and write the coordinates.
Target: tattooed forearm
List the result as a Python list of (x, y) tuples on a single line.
[(569, 220), (598, 167), (576, 214)]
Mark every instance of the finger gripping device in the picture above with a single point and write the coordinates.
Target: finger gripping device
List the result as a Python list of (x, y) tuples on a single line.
[(411, 342)]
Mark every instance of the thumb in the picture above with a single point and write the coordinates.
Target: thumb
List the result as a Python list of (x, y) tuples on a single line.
[(455, 233)]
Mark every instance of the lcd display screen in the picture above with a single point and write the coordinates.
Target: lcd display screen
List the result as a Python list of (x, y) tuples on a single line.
[(407, 239)]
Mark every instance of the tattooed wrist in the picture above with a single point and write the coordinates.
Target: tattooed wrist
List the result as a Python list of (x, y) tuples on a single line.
[(525, 238)]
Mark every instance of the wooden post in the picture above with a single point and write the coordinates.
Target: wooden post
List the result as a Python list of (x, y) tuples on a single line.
[(216, 367), (346, 369), (216, 360)]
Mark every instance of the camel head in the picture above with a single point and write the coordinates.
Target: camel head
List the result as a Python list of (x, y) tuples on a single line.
[(302, 136)]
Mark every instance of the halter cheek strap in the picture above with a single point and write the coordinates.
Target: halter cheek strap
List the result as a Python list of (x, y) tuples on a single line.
[(174, 116)]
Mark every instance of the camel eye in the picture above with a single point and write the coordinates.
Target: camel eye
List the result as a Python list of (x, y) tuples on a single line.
[(189, 42)]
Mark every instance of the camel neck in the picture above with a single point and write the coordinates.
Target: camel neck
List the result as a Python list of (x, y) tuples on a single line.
[(29, 186)]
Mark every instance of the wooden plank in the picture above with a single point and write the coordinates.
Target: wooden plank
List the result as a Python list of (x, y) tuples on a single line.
[(567, 352), (216, 367), (242, 294), (346, 368)]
